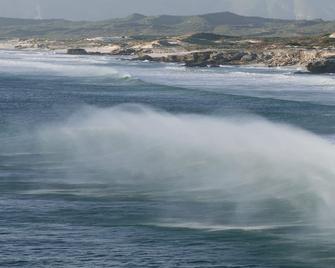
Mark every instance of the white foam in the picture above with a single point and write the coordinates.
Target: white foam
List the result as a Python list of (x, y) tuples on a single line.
[(219, 227), (254, 81), (254, 78), (58, 65)]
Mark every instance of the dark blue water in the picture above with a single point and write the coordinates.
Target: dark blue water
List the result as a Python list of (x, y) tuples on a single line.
[(110, 163)]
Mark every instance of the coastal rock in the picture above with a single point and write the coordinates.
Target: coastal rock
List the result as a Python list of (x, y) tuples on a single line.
[(237, 56), (213, 59), (249, 57), (205, 58), (174, 58), (219, 58), (145, 58), (77, 51), (227, 58), (126, 51), (326, 65), (198, 59), (271, 58)]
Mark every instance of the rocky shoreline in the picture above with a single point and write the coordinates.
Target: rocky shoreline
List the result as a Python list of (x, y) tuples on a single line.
[(217, 58), (316, 54), (315, 61)]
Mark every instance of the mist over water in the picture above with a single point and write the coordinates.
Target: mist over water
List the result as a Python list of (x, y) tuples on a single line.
[(255, 165)]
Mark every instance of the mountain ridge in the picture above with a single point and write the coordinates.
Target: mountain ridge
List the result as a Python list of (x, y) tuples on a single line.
[(226, 23), (79, 10)]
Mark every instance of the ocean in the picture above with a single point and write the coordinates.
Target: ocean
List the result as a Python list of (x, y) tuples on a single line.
[(107, 162)]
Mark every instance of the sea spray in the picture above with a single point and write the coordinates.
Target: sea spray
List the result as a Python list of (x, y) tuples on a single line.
[(266, 171)]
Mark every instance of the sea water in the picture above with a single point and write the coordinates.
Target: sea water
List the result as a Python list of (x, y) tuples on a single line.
[(107, 162)]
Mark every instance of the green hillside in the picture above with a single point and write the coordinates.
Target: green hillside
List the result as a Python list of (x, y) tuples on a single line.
[(224, 23)]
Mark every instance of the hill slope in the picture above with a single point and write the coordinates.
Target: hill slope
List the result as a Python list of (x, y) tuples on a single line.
[(220, 23)]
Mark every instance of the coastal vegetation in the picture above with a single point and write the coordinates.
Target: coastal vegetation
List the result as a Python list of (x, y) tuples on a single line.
[(224, 23)]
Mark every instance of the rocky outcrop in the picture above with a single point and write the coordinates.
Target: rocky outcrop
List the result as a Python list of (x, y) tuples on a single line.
[(117, 52), (271, 58), (125, 52), (77, 51), (326, 65), (204, 58), (145, 58), (199, 59)]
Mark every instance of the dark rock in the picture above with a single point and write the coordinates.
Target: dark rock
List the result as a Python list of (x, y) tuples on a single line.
[(125, 52), (326, 65), (77, 51), (198, 59), (218, 59), (228, 58), (173, 58), (145, 58), (266, 56), (249, 57), (237, 56), (42, 46)]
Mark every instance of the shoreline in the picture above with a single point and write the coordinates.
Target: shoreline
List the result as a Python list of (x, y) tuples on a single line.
[(258, 52)]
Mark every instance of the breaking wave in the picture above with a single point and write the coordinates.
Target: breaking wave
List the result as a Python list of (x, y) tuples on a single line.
[(58, 65), (219, 228)]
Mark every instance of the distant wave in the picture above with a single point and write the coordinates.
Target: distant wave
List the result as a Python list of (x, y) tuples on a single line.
[(58, 65), (78, 70), (240, 80), (218, 227)]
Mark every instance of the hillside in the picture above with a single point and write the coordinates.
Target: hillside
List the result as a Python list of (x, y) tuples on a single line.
[(224, 23)]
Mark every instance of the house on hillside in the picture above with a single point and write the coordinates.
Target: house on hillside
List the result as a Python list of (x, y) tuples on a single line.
[(332, 35)]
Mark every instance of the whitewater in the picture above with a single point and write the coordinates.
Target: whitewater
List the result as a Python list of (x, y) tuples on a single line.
[(107, 162)]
